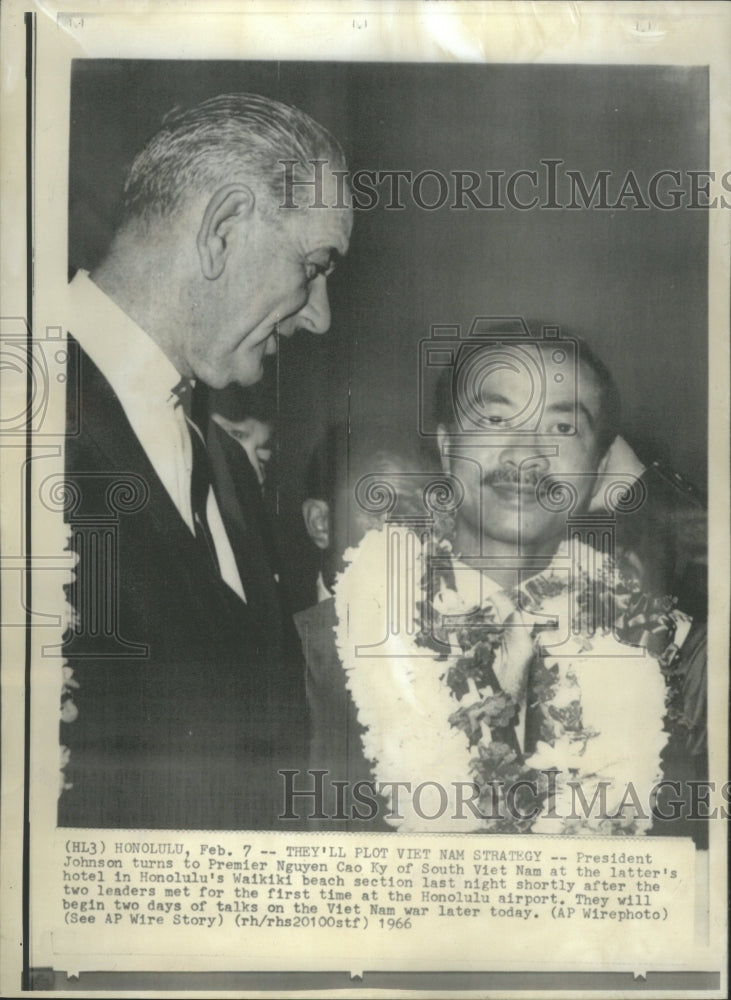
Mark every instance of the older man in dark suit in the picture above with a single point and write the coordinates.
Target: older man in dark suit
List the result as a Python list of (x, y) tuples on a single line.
[(179, 709)]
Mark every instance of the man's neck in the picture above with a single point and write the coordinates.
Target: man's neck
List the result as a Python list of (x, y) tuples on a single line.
[(506, 563), (145, 294)]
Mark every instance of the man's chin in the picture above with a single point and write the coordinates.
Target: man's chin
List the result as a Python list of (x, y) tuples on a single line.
[(530, 535), (513, 497), (242, 380), (254, 370)]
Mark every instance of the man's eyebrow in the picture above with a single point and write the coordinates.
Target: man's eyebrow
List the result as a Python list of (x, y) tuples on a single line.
[(494, 397), (570, 407)]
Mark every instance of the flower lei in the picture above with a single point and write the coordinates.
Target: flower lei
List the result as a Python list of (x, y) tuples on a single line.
[(69, 687), (437, 715)]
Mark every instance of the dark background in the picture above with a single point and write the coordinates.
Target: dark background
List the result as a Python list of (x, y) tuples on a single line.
[(632, 282)]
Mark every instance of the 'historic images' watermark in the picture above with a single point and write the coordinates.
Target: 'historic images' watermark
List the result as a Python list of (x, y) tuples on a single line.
[(520, 801), (551, 186)]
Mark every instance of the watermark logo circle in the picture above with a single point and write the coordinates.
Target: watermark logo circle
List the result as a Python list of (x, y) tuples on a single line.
[(474, 371)]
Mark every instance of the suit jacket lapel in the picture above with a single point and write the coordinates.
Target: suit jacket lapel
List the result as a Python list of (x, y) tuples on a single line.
[(244, 518), (120, 451)]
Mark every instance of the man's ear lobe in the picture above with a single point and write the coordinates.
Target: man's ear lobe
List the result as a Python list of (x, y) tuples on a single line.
[(442, 443), (229, 205), (317, 521)]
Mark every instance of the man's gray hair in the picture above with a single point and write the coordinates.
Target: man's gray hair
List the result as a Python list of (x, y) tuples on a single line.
[(222, 139)]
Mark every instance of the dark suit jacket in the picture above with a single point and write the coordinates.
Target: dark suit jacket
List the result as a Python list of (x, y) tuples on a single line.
[(186, 708)]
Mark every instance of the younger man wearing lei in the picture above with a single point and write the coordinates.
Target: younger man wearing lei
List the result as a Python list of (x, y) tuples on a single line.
[(529, 660)]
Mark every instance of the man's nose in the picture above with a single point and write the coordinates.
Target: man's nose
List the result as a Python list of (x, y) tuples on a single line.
[(527, 455), (315, 314)]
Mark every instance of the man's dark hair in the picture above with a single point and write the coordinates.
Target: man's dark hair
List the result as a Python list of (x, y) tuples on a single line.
[(236, 403), (349, 450), (609, 416)]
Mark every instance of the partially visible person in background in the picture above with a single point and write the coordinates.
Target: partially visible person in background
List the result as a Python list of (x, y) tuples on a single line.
[(245, 414), (661, 533), (669, 536), (326, 467), (357, 477)]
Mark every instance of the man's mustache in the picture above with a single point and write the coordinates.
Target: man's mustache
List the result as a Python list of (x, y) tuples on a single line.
[(527, 479)]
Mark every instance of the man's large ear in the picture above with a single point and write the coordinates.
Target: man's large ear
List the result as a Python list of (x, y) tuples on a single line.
[(228, 206), (599, 481), (620, 460), (442, 444), (317, 521)]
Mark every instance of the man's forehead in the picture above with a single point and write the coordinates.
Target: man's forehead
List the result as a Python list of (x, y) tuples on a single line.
[(324, 216), (313, 229), (328, 228), (334, 230), (520, 370)]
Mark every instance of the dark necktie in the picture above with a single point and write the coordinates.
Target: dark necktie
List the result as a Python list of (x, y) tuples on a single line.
[(193, 403)]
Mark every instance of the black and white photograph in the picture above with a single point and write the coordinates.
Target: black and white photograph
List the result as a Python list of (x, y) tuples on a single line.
[(187, 685), (366, 470)]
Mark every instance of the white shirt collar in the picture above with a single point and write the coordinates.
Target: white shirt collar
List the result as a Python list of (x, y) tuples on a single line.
[(131, 361)]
